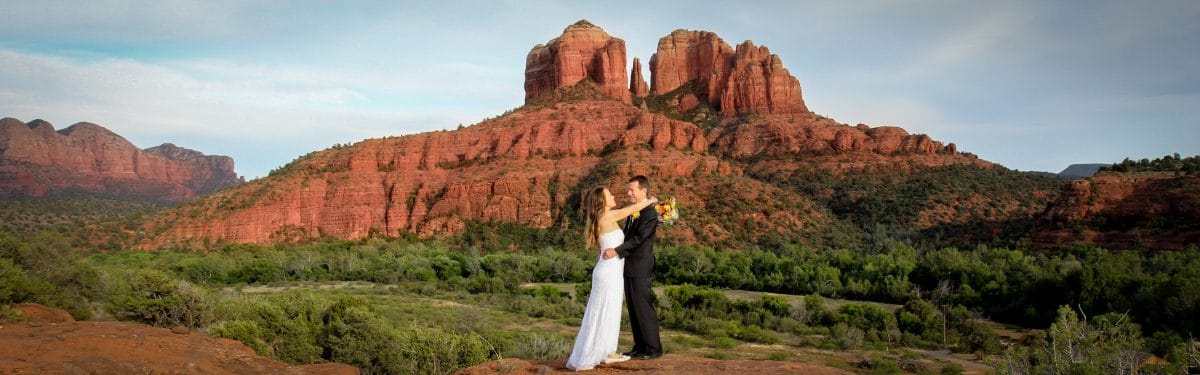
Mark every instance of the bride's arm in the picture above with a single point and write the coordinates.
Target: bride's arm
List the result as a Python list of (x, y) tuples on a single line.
[(618, 214)]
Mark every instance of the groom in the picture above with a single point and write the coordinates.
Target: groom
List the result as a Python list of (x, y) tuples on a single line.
[(638, 252)]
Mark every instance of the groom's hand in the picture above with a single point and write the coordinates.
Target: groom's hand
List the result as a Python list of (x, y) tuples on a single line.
[(609, 253)]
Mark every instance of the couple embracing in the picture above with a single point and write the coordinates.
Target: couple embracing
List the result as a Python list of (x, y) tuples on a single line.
[(623, 271)]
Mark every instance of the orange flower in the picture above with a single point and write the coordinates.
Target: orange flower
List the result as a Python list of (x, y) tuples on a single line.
[(668, 211)]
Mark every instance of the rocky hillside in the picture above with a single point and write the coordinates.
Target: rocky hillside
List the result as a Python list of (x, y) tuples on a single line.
[(727, 136), (1145, 210), (51, 342), (36, 161)]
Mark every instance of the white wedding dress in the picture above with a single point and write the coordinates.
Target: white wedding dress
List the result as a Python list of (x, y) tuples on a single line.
[(602, 318)]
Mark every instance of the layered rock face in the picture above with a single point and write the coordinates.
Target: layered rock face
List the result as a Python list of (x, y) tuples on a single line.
[(36, 160), (1124, 211), (583, 51), (748, 80)]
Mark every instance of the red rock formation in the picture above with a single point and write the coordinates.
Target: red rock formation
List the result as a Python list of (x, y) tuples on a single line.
[(685, 56), (35, 160), (53, 343), (1124, 211), (516, 168), (523, 166), (637, 84), (759, 84), (749, 80), (583, 51), (807, 133)]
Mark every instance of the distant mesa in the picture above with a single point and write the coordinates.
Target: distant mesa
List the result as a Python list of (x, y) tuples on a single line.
[(36, 160), (1081, 170)]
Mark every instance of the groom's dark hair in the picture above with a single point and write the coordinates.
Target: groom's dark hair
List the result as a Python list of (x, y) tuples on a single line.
[(642, 181)]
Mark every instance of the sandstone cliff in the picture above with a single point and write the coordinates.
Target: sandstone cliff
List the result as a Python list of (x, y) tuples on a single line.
[(36, 160)]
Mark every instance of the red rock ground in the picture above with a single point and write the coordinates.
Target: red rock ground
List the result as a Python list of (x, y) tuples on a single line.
[(668, 364), (50, 342)]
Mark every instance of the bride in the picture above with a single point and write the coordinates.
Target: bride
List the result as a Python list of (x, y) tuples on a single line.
[(601, 326)]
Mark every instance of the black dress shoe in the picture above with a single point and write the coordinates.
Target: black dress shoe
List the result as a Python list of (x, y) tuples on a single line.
[(632, 353), (647, 356)]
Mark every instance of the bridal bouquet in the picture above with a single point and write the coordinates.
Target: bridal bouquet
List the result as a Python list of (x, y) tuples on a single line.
[(668, 211)]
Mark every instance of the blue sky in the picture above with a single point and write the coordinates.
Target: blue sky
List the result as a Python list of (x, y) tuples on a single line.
[(1033, 85)]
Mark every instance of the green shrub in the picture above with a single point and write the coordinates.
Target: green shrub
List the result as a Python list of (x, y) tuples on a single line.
[(725, 343), (207, 269), (547, 293), (354, 333), (777, 305), (719, 355), (44, 268), (541, 347), (778, 356), (688, 341), (14, 286), (10, 315), (880, 365), (757, 334), (847, 337), (437, 351), (582, 291), (246, 331), (952, 369), (290, 325), (153, 297)]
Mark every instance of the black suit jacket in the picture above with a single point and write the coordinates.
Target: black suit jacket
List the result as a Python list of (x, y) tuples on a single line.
[(638, 248)]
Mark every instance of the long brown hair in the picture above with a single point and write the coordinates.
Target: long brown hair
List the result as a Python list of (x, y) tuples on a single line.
[(592, 205)]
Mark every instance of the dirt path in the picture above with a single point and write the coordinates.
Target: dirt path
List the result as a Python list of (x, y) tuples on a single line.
[(970, 366)]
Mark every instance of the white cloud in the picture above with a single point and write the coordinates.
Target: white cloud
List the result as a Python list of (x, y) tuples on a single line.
[(304, 108), (125, 20), (265, 81)]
